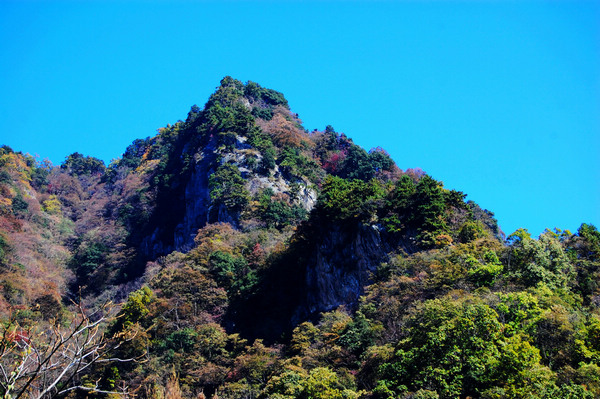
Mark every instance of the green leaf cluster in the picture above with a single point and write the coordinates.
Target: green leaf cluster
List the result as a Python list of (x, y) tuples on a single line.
[(265, 96), (458, 349), (422, 209), (232, 273), (277, 212), (343, 199), (78, 164), (227, 188), (293, 162)]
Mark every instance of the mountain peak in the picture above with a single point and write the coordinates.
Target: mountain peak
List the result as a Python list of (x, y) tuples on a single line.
[(258, 259)]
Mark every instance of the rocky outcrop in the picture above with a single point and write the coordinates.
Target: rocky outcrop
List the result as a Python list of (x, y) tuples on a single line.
[(325, 267), (198, 208), (340, 268), (197, 201)]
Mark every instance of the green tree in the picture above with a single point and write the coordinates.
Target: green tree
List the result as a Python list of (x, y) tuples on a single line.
[(420, 210), (89, 263), (380, 160), (227, 188), (483, 274), (520, 312), (429, 206), (357, 164), (132, 157), (539, 261), (77, 164), (4, 249), (322, 383), (342, 199), (135, 309), (268, 96), (287, 385), (583, 251), (292, 161), (588, 340), (232, 273), (358, 335), (518, 369), (278, 212), (183, 340), (19, 205), (470, 231), (454, 347)]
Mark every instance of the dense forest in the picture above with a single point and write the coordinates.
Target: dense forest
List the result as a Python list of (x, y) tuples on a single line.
[(236, 255)]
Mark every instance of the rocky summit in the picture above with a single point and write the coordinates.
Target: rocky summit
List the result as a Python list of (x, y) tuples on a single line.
[(235, 254)]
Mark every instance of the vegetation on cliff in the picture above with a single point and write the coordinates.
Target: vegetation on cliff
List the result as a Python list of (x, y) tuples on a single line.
[(254, 259)]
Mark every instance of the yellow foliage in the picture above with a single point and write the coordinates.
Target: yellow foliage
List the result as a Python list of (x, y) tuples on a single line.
[(147, 166), (52, 206), (443, 240), (5, 203), (215, 237), (16, 163)]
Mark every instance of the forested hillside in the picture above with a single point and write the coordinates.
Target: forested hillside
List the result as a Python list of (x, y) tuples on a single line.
[(237, 255)]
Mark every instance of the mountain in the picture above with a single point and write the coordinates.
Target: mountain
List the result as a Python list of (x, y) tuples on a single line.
[(255, 259)]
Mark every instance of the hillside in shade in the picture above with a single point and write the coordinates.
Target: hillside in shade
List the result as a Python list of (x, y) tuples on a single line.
[(247, 257)]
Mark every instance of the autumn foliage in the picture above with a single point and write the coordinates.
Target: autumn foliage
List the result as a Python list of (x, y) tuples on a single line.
[(216, 235)]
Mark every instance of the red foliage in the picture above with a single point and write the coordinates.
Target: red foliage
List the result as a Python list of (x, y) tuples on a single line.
[(334, 162), (257, 255), (18, 337)]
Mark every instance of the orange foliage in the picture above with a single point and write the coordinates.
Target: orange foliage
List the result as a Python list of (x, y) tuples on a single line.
[(284, 130)]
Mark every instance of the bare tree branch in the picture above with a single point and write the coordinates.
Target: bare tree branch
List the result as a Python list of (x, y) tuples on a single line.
[(43, 362)]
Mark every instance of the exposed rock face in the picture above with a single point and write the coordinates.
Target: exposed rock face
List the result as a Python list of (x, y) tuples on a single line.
[(306, 196), (152, 246), (329, 267), (200, 211), (340, 268), (197, 204)]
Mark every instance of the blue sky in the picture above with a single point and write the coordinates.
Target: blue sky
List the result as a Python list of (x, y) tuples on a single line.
[(500, 100)]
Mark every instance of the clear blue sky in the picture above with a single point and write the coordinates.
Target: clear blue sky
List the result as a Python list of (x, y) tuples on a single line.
[(500, 100)]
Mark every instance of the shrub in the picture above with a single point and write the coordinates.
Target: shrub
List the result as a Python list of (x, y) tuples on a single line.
[(227, 187)]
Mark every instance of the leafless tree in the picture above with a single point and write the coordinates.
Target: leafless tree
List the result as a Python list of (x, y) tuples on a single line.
[(45, 361)]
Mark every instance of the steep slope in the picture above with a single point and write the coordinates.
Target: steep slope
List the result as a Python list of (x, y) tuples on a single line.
[(356, 227), (256, 259), (33, 234), (209, 168), (245, 159)]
